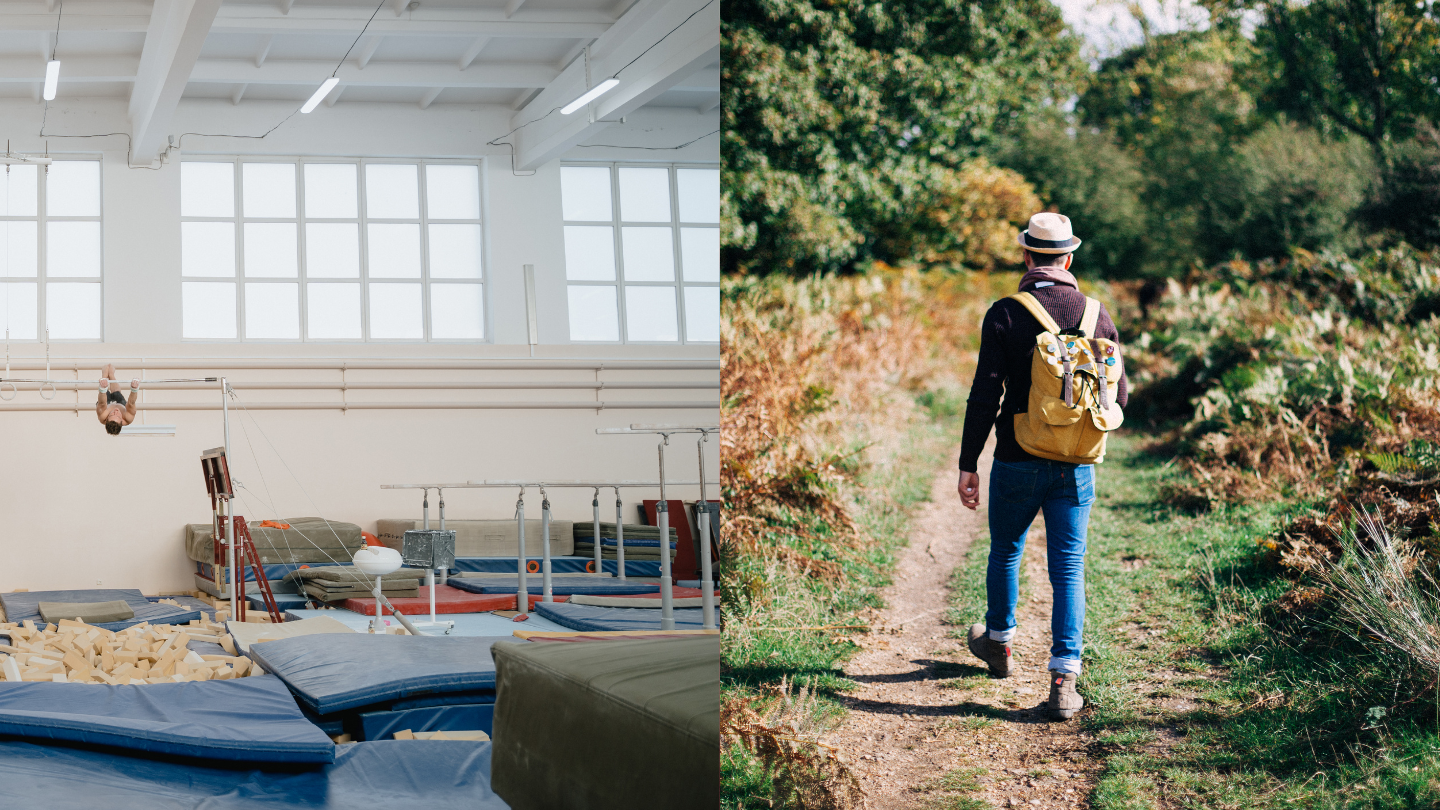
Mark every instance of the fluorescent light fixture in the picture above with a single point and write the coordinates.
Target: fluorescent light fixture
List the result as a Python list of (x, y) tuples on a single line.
[(320, 94), (52, 78), (590, 95)]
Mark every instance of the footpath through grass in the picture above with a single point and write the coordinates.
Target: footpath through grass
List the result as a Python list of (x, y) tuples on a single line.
[(1206, 687)]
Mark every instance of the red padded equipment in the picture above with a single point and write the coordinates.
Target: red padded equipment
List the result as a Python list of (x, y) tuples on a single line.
[(447, 600)]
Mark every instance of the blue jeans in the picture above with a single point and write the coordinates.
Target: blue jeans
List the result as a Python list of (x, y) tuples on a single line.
[(1018, 491)]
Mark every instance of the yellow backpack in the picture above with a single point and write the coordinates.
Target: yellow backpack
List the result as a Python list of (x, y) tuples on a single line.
[(1073, 383)]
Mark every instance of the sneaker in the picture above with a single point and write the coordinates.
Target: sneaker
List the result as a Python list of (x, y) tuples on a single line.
[(1064, 700), (992, 652)]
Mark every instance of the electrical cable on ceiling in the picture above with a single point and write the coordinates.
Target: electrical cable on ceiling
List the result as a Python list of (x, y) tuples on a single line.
[(652, 148), (498, 142)]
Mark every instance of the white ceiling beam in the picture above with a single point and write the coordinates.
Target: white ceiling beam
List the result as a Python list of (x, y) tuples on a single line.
[(172, 45), (334, 96), (642, 52), (473, 51), (512, 7), (367, 51), (708, 106), (238, 93), (102, 69), (47, 45), (572, 54), (429, 97), (285, 6), (93, 18), (264, 49), (398, 6), (383, 74)]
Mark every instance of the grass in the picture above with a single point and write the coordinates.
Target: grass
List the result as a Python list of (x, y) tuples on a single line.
[(1199, 697)]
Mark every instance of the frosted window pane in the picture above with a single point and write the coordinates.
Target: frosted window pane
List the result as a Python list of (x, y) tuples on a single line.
[(19, 249), (330, 191), (585, 192), (332, 311), (650, 314), (589, 252), (700, 254), (268, 189), (452, 192), (72, 311), (645, 195), (702, 313), (699, 194), (594, 313), (454, 251), (395, 312), (72, 189), (270, 250), (392, 191), (207, 189), (272, 311), (72, 249), (649, 254), (18, 191), (332, 250), (18, 311), (394, 251), (457, 312), (207, 249), (207, 310)]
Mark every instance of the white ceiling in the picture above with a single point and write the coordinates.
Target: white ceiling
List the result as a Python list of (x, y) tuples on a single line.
[(496, 52)]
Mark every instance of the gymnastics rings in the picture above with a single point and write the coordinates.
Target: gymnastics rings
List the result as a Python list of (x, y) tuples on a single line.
[(13, 391), (52, 390)]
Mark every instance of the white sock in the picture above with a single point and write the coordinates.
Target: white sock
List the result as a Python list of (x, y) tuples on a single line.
[(1002, 636)]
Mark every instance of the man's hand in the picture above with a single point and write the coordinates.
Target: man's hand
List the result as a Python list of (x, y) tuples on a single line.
[(135, 384), (969, 489)]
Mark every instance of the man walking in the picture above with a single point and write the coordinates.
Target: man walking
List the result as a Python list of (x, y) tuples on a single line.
[(1023, 484)]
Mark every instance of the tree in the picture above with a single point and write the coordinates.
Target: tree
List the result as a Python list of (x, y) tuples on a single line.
[(1371, 67), (845, 122)]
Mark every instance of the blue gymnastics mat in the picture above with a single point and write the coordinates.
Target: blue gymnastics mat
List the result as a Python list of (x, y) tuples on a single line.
[(468, 717), (26, 605), (332, 672), (586, 617), (244, 720), (438, 775), (560, 586), (558, 565), (466, 624)]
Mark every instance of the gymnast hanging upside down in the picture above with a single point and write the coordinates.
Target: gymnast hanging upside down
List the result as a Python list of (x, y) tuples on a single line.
[(112, 408)]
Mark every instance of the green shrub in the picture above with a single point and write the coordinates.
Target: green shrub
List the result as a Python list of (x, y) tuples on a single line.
[(1407, 199)]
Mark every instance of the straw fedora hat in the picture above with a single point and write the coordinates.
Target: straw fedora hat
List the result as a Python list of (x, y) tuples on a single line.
[(1049, 233)]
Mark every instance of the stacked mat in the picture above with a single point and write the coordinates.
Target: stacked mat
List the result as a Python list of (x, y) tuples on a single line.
[(589, 618), (308, 540), (559, 586), (656, 701), (486, 538), (641, 542), (338, 582), (26, 605), (373, 685)]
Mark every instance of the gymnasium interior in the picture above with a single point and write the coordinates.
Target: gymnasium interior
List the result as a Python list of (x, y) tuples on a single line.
[(361, 395)]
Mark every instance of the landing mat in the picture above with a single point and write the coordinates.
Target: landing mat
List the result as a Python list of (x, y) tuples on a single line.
[(558, 565), (447, 600), (330, 673), (26, 605), (243, 720), (469, 717), (438, 775), (584, 617), (534, 583)]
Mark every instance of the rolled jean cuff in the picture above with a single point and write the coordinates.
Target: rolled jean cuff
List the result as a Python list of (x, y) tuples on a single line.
[(1065, 664), (1002, 636)]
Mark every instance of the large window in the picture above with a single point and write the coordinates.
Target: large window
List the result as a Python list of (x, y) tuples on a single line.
[(642, 250), (50, 250), (356, 250)]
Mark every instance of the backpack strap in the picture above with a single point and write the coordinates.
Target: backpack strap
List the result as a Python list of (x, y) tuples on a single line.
[(1091, 316), (1046, 322)]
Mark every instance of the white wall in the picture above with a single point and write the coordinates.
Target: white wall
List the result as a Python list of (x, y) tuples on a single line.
[(78, 507)]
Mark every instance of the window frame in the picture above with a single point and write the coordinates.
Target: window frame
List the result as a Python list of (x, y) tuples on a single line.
[(42, 277), (617, 224), (362, 221)]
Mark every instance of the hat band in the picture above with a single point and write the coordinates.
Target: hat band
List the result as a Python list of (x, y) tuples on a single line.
[(1047, 243)]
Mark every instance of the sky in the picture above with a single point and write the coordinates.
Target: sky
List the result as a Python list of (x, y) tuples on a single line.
[(1110, 27)]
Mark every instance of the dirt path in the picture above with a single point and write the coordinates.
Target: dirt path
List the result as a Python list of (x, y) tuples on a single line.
[(927, 725)]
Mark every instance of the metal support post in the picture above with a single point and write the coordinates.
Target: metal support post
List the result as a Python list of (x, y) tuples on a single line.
[(707, 584), (442, 573), (522, 594), (662, 513), (619, 535), (229, 508), (595, 506), (547, 595)]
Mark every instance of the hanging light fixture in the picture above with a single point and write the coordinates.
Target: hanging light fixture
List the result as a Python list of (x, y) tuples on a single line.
[(590, 95), (325, 88), (52, 68)]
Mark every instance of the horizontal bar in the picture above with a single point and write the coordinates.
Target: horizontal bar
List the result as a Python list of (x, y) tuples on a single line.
[(583, 484), (124, 384), (653, 431), (276, 385), (674, 427), (379, 406), (341, 364)]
